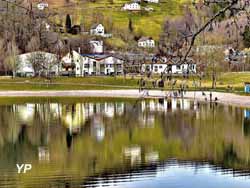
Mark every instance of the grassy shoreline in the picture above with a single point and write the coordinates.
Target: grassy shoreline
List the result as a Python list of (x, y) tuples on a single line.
[(234, 80)]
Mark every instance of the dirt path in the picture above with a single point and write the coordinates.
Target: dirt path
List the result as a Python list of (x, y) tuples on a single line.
[(225, 98)]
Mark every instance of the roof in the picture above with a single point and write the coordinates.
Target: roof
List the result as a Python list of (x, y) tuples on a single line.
[(100, 57), (168, 61), (144, 39), (130, 3), (95, 26), (37, 52)]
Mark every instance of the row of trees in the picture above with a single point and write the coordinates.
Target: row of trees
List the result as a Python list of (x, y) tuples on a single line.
[(22, 30)]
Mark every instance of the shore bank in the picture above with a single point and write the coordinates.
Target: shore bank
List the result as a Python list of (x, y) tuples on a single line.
[(224, 98)]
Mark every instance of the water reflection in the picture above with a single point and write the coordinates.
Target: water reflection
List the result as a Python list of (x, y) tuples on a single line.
[(110, 143), (246, 123)]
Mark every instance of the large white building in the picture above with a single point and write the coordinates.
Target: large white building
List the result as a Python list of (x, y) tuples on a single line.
[(102, 65), (91, 64), (133, 6), (37, 63), (146, 42), (169, 67), (71, 63)]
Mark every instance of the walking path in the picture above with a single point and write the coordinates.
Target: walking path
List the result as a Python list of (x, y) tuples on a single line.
[(225, 98)]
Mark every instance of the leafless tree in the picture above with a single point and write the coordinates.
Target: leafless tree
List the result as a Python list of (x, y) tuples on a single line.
[(12, 61), (184, 32)]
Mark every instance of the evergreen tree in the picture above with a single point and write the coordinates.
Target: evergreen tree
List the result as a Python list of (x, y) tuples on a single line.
[(130, 25), (246, 37), (68, 23)]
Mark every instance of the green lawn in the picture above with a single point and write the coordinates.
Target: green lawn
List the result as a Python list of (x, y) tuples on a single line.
[(234, 80)]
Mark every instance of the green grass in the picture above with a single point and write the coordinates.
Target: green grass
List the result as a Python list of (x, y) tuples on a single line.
[(62, 100), (235, 80)]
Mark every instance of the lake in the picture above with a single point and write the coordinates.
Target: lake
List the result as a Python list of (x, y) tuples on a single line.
[(124, 143)]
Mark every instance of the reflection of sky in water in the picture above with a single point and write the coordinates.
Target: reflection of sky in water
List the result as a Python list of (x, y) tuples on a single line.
[(178, 176), (247, 113)]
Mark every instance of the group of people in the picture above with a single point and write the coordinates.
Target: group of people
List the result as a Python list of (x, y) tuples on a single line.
[(210, 97), (178, 93)]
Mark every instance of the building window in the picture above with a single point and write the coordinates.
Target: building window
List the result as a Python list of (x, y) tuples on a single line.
[(86, 65)]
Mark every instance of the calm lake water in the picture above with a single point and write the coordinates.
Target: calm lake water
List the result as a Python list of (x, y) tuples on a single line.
[(128, 144)]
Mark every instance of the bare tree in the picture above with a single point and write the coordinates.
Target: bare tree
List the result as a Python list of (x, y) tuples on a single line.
[(12, 60), (37, 60), (186, 31)]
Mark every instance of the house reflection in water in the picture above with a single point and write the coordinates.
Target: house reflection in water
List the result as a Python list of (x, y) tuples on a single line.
[(164, 105), (152, 157), (26, 113), (133, 154), (147, 120), (73, 117), (109, 110), (43, 154), (98, 128), (246, 123)]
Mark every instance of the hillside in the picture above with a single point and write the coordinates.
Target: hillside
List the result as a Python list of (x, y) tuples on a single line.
[(109, 13)]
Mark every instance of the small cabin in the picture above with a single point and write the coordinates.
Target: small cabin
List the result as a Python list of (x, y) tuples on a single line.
[(247, 87)]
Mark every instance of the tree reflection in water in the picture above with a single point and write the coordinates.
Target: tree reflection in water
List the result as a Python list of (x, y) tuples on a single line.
[(82, 140)]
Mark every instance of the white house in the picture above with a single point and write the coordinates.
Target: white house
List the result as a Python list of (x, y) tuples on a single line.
[(42, 5), (41, 63), (132, 6), (102, 65), (169, 67), (99, 30), (96, 46), (146, 42), (72, 64), (91, 64), (151, 1)]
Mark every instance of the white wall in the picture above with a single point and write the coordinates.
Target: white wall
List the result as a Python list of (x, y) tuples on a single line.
[(152, 1), (147, 43), (159, 68), (131, 6), (99, 30), (155, 68), (97, 46), (73, 58)]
